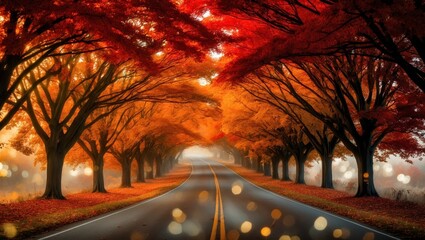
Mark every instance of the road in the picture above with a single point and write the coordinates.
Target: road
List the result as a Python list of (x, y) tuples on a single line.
[(216, 203)]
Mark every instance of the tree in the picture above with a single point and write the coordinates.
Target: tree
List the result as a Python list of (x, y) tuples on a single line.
[(288, 29), (266, 86), (98, 139), (362, 93), (35, 29), (60, 106)]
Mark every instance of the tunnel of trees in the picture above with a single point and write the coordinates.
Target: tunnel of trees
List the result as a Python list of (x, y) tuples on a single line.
[(266, 82)]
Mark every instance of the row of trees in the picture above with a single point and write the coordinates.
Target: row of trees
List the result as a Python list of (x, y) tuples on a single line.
[(322, 74), (290, 109), (84, 80)]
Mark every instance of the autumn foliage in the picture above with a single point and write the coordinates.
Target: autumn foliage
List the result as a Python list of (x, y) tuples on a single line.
[(129, 85)]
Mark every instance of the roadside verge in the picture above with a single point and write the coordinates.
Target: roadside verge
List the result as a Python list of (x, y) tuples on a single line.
[(31, 217), (401, 219)]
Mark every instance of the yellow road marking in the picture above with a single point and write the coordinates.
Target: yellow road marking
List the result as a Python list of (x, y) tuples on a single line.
[(218, 204)]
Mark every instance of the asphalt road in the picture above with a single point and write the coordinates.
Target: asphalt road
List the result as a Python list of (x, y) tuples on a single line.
[(216, 203)]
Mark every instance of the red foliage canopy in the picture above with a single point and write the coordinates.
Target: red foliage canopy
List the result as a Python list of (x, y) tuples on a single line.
[(133, 29)]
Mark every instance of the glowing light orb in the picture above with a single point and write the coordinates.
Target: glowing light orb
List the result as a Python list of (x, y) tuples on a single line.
[(175, 228), (203, 196), (337, 233), (321, 223), (10, 230), (251, 206), (74, 172), (285, 237), (246, 227), (25, 174), (88, 171), (233, 235), (405, 179), (276, 214), (203, 81), (237, 188), (266, 231), (178, 215)]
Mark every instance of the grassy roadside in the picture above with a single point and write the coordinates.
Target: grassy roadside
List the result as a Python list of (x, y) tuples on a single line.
[(401, 219), (31, 217)]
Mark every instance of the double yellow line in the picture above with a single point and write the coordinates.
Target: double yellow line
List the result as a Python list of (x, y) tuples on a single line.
[(218, 211)]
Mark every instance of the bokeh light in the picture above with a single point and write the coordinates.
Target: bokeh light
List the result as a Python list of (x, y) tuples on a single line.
[(288, 221), (88, 171), (203, 196), (178, 215), (285, 237), (266, 231), (276, 214), (369, 236), (405, 179), (233, 235), (237, 187), (25, 174), (175, 228), (337, 233), (137, 236), (191, 228), (321, 223), (9, 230), (246, 227), (74, 172), (251, 206)]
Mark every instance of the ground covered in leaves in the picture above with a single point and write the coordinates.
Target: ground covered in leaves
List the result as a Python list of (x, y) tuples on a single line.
[(405, 220), (31, 217)]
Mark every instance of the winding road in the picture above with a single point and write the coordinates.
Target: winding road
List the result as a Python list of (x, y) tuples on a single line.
[(216, 203)]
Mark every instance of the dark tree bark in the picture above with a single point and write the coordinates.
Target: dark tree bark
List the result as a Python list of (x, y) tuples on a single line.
[(275, 166), (285, 156), (98, 178), (237, 155), (267, 170), (140, 159), (260, 168), (158, 166), (55, 160), (126, 174)]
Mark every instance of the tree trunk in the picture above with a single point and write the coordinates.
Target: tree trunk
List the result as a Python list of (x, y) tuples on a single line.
[(55, 160), (140, 169), (326, 171), (260, 168), (126, 174), (285, 168), (158, 167), (299, 171), (267, 171), (149, 174), (275, 166), (98, 179), (366, 186), (237, 156)]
